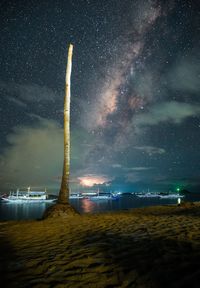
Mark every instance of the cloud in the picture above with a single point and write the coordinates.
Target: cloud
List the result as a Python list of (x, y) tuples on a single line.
[(92, 179), (27, 92), (139, 168), (144, 85), (34, 92), (116, 166), (119, 166), (133, 177), (35, 116), (33, 156), (150, 149), (173, 112), (17, 102), (185, 76)]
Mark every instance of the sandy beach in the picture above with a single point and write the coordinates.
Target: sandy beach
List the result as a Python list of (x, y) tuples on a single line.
[(146, 247)]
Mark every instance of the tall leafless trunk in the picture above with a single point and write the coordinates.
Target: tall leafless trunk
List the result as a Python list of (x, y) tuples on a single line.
[(64, 189)]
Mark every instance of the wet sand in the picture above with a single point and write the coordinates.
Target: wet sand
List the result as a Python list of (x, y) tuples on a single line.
[(146, 247)]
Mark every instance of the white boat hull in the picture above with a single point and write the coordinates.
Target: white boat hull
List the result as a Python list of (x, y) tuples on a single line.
[(28, 196), (104, 197), (169, 196), (172, 196), (76, 197), (10, 200), (147, 196)]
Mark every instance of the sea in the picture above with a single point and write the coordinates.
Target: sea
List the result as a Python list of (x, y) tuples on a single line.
[(30, 211)]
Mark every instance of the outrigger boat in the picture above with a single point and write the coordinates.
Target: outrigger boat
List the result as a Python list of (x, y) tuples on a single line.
[(76, 196), (94, 195), (105, 196), (159, 195), (27, 196)]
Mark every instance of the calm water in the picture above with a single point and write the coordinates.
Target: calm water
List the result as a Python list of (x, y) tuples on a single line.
[(13, 211)]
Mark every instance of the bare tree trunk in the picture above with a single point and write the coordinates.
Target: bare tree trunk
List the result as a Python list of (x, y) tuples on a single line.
[(64, 189)]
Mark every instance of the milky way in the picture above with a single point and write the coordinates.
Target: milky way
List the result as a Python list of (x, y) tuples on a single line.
[(135, 113)]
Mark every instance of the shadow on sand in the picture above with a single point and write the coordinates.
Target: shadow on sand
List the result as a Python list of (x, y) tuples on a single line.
[(9, 264), (104, 257), (147, 262)]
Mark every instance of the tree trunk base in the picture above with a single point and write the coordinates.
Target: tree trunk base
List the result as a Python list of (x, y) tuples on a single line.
[(60, 210)]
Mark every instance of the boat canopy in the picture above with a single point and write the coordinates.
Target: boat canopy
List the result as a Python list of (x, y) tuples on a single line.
[(36, 193)]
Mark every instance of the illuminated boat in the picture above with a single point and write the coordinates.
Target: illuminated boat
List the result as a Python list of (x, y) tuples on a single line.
[(76, 196), (159, 195), (27, 196), (171, 196), (105, 196), (147, 195), (82, 195)]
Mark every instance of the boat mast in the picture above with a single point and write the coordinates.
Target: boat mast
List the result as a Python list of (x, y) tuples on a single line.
[(64, 189), (29, 188)]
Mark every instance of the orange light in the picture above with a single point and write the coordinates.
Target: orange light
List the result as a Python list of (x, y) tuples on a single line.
[(90, 180)]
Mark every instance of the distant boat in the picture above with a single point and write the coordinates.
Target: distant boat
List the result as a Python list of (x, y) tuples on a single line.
[(147, 195), (94, 195), (76, 196), (27, 196), (159, 195), (105, 196), (89, 193), (171, 196)]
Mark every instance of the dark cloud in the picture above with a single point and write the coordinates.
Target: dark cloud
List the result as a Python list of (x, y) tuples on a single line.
[(33, 157), (184, 76), (150, 150), (174, 112), (30, 93)]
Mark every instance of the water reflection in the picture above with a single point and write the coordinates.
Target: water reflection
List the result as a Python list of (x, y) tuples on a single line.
[(91, 206), (19, 211), (87, 206)]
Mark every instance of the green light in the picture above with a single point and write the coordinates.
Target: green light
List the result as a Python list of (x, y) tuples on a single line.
[(178, 189)]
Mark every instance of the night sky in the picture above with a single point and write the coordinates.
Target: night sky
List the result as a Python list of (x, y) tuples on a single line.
[(135, 113)]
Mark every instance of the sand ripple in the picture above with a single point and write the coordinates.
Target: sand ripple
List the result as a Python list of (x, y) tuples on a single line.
[(150, 247)]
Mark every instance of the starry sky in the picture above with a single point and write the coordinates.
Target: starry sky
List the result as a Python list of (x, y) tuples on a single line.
[(135, 113)]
